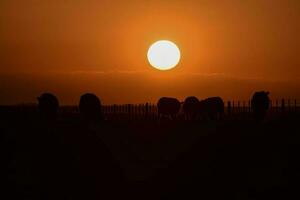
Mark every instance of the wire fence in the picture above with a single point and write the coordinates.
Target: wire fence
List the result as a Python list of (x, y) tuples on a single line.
[(149, 110)]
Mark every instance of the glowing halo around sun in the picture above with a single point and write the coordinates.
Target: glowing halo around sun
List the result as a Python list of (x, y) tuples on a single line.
[(163, 55)]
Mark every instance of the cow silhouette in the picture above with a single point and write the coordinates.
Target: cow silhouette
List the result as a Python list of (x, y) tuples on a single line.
[(168, 107), (260, 104), (211, 108), (47, 106), (90, 107), (191, 107)]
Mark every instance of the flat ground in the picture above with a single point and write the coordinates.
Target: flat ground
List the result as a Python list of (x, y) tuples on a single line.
[(235, 158)]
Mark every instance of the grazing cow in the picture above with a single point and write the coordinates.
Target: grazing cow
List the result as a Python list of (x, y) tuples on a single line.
[(168, 107), (212, 108), (90, 107), (48, 106), (190, 107), (260, 103)]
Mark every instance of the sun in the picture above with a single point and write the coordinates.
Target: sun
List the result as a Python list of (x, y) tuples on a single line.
[(163, 55)]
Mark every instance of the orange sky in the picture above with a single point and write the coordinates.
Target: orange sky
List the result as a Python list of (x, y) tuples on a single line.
[(229, 48)]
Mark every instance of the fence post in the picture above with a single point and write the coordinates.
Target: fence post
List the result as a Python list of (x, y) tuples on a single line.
[(146, 110), (229, 107), (129, 111), (135, 110), (282, 106), (150, 111), (154, 111), (112, 111)]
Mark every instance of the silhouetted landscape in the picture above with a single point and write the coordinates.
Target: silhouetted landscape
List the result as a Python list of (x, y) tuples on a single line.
[(140, 152), (150, 99)]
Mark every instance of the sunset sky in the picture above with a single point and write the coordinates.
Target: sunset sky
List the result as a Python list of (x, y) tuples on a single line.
[(229, 48)]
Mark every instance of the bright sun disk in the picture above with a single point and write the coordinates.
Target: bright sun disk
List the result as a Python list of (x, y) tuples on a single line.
[(163, 55)]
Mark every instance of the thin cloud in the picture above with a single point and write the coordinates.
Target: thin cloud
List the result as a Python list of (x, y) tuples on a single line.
[(106, 72)]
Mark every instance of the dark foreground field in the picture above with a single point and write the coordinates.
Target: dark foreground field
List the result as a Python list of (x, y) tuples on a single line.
[(234, 158)]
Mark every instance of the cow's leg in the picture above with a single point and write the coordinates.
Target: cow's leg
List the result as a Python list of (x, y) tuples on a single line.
[(187, 117), (221, 115), (172, 117), (160, 116)]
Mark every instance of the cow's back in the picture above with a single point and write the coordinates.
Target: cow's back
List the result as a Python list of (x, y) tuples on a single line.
[(190, 105), (212, 106), (168, 106), (260, 101)]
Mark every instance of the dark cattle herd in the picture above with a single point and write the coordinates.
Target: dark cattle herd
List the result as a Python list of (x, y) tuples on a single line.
[(90, 107), (178, 148)]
